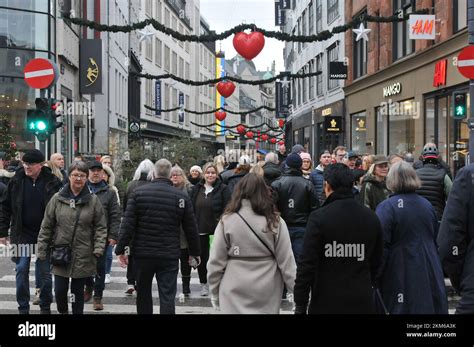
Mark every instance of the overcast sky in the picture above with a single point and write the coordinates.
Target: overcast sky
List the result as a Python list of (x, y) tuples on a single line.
[(223, 15)]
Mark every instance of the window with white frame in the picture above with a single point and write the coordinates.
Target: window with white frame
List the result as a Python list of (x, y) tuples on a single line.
[(311, 18), (167, 101), (360, 56), (158, 52), (319, 78), (167, 58), (174, 63), (460, 14), (333, 10), (333, 55), (319, 16)]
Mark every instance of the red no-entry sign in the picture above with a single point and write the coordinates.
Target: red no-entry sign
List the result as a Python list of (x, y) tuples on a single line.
[(466, 62), (40, 73)]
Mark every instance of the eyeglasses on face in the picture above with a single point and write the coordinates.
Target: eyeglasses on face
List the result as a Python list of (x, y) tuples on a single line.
[(79, 177)]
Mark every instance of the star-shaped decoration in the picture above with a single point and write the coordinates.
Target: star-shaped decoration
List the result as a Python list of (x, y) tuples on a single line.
[(361, 123), (362, 32), (285, 83), (145, 35), (333, 123)]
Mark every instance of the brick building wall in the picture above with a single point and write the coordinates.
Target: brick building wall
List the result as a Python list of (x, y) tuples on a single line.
[(380, 45)]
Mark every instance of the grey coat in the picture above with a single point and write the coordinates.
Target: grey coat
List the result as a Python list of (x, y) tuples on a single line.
[(241, 271), (90, 235)]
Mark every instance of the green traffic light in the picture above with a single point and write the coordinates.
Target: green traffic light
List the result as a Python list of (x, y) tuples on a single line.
[(41, 125), (460, 111)]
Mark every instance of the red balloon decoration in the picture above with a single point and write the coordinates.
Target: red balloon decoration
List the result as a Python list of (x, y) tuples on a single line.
[(249, 45), (281, 143), (249, 134), (241, 129), (281, 123), (273, 140), (264, 137), (220, 115), (225, 88)]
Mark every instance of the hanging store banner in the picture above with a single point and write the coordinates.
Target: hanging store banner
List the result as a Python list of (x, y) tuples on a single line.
[(422, 27), (90, 66), (158, 97), (337, 70)]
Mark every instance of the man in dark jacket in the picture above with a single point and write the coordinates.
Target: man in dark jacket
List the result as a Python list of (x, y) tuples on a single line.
[(342, 252), (271, 169), (22, 209), (295, 201), (150, 231), (108, 199), (435, 182), (456, 239)]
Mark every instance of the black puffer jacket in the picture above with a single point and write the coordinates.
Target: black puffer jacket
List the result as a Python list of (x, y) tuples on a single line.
[(432, 186), (151, 225), (295, 198), (220, 197), (11, 202)]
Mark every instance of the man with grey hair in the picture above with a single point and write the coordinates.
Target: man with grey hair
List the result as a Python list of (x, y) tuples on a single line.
[(271, 169), (150, 231)]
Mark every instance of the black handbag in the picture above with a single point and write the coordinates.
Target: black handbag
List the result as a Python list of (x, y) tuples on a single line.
[(61, 255)]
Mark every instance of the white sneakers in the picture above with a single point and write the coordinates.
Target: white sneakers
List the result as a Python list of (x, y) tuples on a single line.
[(108, 279), (204, 289)]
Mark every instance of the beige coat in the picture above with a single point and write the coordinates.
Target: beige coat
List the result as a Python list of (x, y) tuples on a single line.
[(241, 271)]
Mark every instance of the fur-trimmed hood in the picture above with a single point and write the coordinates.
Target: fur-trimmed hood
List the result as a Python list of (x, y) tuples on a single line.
[(7, 174), (111, 175)]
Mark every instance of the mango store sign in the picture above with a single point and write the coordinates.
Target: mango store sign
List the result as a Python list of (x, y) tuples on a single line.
[(391, 90)]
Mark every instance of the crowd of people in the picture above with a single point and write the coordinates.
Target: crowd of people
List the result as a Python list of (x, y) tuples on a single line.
[(349, 233)]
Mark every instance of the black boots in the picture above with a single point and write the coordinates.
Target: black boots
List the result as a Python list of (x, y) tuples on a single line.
[(186, 281)]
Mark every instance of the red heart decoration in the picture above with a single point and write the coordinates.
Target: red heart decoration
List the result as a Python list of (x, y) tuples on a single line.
[(273, 140), (241, 129), (249, 45), (249, 135), (264, 137), (220, 115), (225, 88)]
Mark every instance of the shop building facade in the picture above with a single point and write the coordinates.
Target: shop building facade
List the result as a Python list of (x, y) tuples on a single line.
[(399, 95)]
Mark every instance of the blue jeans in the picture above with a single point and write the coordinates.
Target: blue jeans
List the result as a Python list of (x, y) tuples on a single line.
[(166, 273), (43, 268), (297, 237), (108, 264)]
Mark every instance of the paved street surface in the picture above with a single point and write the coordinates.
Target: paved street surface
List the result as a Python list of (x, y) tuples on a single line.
[(115, 301)]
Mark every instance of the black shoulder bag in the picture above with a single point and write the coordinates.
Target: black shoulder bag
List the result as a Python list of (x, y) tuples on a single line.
[(61, 255), (258, 237)]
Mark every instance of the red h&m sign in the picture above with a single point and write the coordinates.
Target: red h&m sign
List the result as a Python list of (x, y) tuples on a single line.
[(440, 73)]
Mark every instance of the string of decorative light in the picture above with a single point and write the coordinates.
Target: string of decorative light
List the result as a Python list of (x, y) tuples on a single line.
[(281, 76), (281, 36), (243, 113)]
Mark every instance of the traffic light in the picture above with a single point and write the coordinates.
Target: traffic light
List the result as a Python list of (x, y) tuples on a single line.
[(460, 105), (42, 120)]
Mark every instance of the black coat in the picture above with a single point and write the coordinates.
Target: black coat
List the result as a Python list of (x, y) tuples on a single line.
[(108, 198), (132, 185), (455, 238), (271, 172), (339, 284), (295, 198), (220, 198), (11, 202), (152, 222)]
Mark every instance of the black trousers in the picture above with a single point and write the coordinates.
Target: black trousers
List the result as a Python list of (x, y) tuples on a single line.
[(202, 268), (61, 287), (166, 273)]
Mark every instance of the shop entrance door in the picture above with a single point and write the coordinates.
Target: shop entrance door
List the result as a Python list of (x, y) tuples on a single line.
[(325, 140)]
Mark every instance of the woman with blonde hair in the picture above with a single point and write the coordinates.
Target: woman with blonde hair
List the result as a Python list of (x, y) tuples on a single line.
[(209, 197), (106, 160), (251, 258), (178, 177), (219, 162), (258, 169), (56, 170)]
